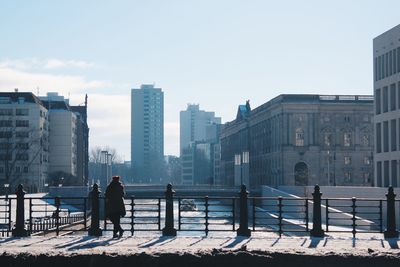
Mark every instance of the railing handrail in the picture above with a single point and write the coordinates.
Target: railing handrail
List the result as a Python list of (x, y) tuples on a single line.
[(276, 214)]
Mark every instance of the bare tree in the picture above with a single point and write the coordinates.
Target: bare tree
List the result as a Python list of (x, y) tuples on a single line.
[(96, 161), (96, 154)]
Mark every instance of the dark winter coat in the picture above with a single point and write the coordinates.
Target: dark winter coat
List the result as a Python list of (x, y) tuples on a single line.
[(115, 199)]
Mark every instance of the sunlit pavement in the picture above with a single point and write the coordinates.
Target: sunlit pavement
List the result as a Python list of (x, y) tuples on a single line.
[(364, 244)]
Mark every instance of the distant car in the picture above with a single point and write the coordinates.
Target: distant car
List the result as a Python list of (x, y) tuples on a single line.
[(188, 205)]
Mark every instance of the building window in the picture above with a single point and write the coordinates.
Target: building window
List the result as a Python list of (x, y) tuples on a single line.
[(299, 137), (22, 112), (398, 59), (378, 138), (378, 101), (390, 63), (393, 97), (367, 160), (22, 123), (365, 139), (347, 139), (386, 173), (398, 93), (7, 134), (6, 111), (22, 146), (385, 99), (328, 139), (394, 173), (347, 160), (26, 169), (393, 135), (1, 169), (6, 123), (18, 169), (5, 157), (379, 173), (385, 136)]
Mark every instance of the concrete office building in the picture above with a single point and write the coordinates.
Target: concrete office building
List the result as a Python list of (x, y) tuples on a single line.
[(193, 124), (63, 135), (147, 134), (82, 134), (300, 140), (387, 107), (24, 141), (199, 146)]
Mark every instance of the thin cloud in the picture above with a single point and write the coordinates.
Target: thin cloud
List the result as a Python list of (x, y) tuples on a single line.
[(57, 63), (11, 78), (45, 64)]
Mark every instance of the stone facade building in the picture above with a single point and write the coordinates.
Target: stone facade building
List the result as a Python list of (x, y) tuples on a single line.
[(387, 107), (300, 140)]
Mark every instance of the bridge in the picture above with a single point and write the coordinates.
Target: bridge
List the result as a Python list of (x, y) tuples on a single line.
[(140, 190)]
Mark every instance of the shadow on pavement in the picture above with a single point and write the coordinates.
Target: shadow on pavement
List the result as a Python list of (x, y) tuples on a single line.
[(159, 241)]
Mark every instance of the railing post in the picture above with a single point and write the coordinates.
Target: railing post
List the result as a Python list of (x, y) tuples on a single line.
[(95, 229), (19, 229), (57, 204), (206, 214), (169, 229), (391, 215), (243, 213), (317, 231)]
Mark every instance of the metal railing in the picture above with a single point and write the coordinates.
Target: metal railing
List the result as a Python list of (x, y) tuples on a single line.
[(283, 215)]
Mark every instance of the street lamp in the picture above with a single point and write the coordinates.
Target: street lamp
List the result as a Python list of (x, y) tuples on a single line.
[(109, 165), (103, 161), (240, 161)]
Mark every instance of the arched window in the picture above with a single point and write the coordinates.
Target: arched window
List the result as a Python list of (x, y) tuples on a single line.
[(299, 137), (327, 139), (365, 138), (346, 139)]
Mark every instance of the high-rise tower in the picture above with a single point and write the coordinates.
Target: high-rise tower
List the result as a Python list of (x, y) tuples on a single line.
[(147, 134)]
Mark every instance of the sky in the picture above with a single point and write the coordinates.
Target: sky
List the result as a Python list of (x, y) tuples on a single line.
[(214, 53)]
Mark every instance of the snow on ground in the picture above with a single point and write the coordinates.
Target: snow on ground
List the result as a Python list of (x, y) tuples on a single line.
[(365, 245)]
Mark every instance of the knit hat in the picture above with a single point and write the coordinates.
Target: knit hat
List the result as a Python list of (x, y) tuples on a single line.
[(116, 178)]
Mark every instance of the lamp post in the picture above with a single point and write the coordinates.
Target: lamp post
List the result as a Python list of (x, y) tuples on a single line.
[(104, 174), (240, 161), (109, 166)]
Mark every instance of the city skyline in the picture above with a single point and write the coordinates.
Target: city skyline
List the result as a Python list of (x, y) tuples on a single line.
[(233, 51)]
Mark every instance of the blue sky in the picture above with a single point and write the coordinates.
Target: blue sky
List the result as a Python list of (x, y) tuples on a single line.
[(214, 53)]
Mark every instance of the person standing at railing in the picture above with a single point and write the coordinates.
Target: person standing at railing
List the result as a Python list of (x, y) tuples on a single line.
[(115, 207)]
